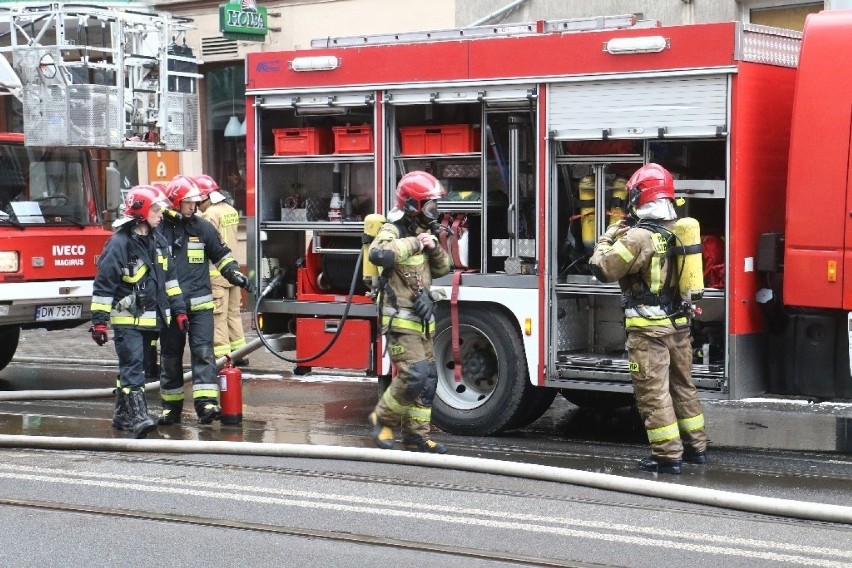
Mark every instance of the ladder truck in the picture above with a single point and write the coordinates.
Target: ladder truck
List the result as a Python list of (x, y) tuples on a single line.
[(77, 81)]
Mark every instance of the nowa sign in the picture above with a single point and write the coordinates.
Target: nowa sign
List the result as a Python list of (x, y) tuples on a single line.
[(243, 21)]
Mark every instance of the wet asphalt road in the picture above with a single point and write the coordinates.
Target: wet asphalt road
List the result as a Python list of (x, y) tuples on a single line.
[(268, 511)]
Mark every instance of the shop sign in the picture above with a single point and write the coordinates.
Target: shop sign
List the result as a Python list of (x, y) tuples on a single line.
[(243, 21)]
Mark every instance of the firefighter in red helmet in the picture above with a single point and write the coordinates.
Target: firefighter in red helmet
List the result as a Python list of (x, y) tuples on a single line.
[(195, 243), (136, 290), (228, 335), (409, 257), (657, 321)]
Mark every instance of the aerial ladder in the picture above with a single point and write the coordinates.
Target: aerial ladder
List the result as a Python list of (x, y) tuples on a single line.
[(101, 77)]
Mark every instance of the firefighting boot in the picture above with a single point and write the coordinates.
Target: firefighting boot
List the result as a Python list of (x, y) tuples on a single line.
[(691, 456), (121, 416), (207, 411), (427, 446), (170, 414), (654, 464), (140, 423), (382, 435)]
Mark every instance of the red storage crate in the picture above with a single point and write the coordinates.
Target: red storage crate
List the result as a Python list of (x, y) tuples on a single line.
[(302, 141), (445, 139), (353, 139), (350, 351)]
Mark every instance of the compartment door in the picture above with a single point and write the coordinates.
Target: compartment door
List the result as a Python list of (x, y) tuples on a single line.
[(648, 107)]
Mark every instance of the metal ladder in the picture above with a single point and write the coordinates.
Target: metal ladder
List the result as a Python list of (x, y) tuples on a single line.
[(542, 26)]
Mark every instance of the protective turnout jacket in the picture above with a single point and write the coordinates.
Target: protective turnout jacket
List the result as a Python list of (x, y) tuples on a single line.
[(641, 263), (396, 249), (226, 219), (136, 285), (194, 243)]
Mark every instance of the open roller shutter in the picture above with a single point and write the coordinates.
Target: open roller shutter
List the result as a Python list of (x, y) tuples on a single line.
[(650, 107)]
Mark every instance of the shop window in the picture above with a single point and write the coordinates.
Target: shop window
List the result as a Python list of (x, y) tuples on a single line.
[(782, 15), (225, 146)]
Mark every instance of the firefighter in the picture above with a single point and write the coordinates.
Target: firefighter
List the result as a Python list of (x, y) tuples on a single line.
[(409, 257), (137, 292), (228, 335), (657, 321), (194, 243)]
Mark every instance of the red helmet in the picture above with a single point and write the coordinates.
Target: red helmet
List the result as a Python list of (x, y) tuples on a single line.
[(205, 184), (417, 193), (650, 182), (182, 188), (140, 199)]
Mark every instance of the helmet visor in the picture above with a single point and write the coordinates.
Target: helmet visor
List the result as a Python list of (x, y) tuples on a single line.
[(429, 209)]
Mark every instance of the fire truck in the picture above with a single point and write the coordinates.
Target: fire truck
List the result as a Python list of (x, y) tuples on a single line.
[(533, 129), (78, 80)]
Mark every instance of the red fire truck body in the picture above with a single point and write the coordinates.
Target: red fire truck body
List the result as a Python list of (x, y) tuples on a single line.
[(51, 236), (534, 129)]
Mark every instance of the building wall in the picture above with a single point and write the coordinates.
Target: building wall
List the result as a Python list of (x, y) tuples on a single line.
[(669, 12)]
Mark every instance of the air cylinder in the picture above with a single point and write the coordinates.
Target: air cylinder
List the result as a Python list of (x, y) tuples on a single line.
[(587, 211), (688, 259)]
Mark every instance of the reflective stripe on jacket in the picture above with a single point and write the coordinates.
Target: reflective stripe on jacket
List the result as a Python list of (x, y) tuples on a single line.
[(639, 261), (412, 269), (135, 285), (194, 244)]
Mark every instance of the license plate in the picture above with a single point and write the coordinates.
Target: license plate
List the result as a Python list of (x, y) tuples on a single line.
[(64, 312)]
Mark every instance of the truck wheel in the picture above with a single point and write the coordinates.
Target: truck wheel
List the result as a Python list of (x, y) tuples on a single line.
[(8, 344), (494, 381), (538, 404)]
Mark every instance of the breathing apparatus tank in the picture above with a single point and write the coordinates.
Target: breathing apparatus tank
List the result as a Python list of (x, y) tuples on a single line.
[(372, 223), (619, 192), (688, 259), (587, 211)]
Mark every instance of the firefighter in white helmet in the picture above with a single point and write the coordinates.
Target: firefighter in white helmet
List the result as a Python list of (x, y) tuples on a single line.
[(137, 292), (228, 335), (657, 321), (409, 257)]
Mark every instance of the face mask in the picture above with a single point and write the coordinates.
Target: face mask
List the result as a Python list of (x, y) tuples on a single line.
[(429, 209)]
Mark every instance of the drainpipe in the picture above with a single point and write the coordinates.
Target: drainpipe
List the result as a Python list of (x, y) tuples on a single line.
[(498, 13)]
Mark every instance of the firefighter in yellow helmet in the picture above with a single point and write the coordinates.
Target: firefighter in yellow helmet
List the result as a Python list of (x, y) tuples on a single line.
[(656, 320), (409, 257)]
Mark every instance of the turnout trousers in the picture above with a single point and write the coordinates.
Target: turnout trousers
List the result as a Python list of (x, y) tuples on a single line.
[(660, 362), (408, 399), (228, 335), (205, 386), (130, 346)]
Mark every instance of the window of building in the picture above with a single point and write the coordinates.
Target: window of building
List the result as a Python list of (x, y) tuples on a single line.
[(781, 14), (225, 142)]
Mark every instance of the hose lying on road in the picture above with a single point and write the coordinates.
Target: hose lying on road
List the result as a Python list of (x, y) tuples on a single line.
[(699, 495), (69, 394)]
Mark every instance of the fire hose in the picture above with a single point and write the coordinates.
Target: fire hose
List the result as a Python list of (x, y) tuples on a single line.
[(276, 280), (697, 495)]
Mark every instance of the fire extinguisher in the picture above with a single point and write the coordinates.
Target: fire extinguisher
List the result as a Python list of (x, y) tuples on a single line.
[(231, 393)]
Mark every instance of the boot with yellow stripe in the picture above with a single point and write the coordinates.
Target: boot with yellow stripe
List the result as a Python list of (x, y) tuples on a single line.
[(382, 435), (170, 414)]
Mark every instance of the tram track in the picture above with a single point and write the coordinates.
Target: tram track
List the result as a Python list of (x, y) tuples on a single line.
[(489, 556), (709, 512)]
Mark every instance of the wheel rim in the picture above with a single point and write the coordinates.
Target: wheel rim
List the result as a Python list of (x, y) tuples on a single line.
[(480, 368)]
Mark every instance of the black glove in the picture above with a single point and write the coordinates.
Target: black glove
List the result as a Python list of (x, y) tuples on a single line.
[(423, 306), (237, 278)]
